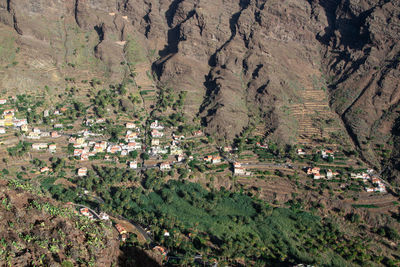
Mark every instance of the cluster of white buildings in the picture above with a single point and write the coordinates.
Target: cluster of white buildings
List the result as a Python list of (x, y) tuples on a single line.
[(156, 130), (43, 146), (378, 185), (315, 172), (239, 170), (212, 159)]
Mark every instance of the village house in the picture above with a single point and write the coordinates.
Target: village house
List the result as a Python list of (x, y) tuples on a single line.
[(84, 157), (238, 169), (216, 159), (227, 149), (8, 120), (2, 122), (36, 130), (83, 145), (124, 152), (86, 212), (44, 169), (208, 158), (104, 216), (114, 149), (300, 152), (80, 140), (158, 150), (52, 148), (10, 112), (198, 133), (361, 175), (44, 134), (24, 128), (262, 145), (133, 164), (46, 113), (130, 125), (54, 134), (98, 148), (121, 230), (130, 136), (175, 150), (39, 146), (315, 172), (156, 134), (178, 137), (58, 126), (33, 135), (2, 130), (180, 158), (20, 122), (133, 146), (78, 152), (155, 125), (165, 166), (82, 171), (160, 250), (3, 101), (327, 153), (155, 142)]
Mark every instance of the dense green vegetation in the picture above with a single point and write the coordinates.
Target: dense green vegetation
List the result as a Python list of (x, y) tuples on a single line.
[(228, 226)]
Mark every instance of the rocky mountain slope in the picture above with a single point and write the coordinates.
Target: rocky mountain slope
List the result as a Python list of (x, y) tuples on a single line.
[(281, 65)]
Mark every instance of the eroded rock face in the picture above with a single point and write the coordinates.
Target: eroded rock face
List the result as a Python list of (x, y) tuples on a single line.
[(362, 57), (239, 60)]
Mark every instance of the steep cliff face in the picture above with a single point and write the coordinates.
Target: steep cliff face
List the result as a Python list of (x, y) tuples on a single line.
[(362, 58), (243, 62)]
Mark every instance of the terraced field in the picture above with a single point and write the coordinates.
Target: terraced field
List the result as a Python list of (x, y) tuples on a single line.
[(314, 105)]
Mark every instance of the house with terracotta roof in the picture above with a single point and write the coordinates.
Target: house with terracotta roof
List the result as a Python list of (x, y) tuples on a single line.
[(156, 134), (78, 152), (82, 171), (54, 134), (198, 133), (85, 212), (314, 170), (114, 149), (121, 230), (216, 159), (84, 157), (208, 158), (52, 148)]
